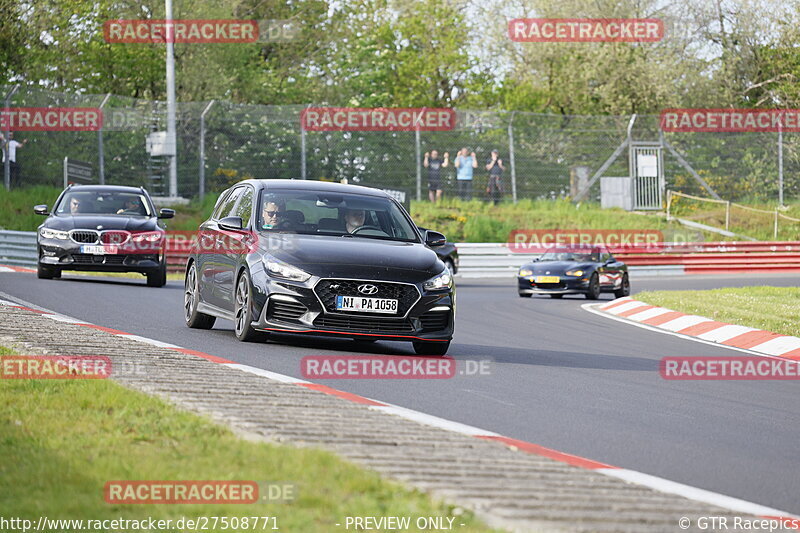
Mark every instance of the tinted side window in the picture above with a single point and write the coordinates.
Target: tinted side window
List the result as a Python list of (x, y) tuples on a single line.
[(225, 209), (220, 202), (245, 207)]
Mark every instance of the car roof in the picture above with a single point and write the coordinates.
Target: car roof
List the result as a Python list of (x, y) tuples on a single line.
[(312, 185), (106, 188)]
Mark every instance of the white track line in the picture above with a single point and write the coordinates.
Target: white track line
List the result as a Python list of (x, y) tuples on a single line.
[(632, 476)]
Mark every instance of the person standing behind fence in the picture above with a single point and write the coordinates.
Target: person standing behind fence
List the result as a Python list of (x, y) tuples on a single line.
[(495, 167), (435, 166), (10, 151), (465, 165)]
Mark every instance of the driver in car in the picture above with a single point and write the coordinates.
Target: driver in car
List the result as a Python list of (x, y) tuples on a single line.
[(132, 206), (271, 213), (354, 219), (74, 205)]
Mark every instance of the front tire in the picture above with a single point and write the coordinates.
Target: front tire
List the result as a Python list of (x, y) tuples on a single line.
[(43, 272), (525, 295), (556, 296), (594, 287), (159, 277), (243, 311), (625, 288), (431, 348), (191, 298)]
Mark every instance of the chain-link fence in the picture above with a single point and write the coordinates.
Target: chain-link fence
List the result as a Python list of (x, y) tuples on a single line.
[(545, 156)]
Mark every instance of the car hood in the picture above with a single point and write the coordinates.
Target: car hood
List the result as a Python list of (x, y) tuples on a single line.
[(68, 222), (347, 257), (558, 267)]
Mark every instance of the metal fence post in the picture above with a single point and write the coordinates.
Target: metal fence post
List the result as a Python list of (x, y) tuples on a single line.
[(101, 157), (303, 170), (780, 165), (511, 157), (6, 134), (201, 187), (419, 164)]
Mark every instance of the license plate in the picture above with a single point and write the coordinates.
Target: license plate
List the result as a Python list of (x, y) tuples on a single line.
[(94, 249), (366, 305), (547, 279)]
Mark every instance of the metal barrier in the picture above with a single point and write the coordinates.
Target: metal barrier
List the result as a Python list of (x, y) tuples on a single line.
[(18, 248), (482, 260)]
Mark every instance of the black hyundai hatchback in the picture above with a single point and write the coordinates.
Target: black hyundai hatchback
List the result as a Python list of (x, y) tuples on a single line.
[(319, 258), (103, 228)]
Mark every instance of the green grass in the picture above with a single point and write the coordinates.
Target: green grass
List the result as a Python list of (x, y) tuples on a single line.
[(775, 309), (62, 440), (478, 221), (460, 221)]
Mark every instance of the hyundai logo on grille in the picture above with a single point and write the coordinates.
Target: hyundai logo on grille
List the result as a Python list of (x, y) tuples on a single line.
[(367, 288)]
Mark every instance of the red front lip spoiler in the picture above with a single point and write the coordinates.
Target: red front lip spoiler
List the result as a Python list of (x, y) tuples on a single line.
[(352, 334)]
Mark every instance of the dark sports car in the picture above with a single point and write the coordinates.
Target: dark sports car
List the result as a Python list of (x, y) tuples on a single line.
[(103, 228), (323, 259), (561, 271)]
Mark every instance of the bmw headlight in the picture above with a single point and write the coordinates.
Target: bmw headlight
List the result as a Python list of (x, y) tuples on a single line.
[(525, 272), (574, 272), (442, 281), (48, 233), (279, 269)]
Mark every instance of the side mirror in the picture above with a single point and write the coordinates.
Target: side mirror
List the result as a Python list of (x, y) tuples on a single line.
[(434, 238), (41, 209), (231, 223), (166, 213)]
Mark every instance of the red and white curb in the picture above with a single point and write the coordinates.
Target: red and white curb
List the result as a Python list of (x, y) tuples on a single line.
[(753, 340), (9, 268), (631, 476)]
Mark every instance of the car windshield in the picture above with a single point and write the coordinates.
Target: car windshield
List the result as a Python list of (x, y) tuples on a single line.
[(580, 256), (340, 214), (103, 203)]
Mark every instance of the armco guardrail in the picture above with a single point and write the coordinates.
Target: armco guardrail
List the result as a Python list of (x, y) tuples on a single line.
[(18, 248)]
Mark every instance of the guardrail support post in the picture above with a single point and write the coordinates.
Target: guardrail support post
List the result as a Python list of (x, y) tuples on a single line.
[(727, 215)]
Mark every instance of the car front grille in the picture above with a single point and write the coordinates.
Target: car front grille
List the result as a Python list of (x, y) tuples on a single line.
[(560, 285), (84, 236), (365, 324), (328, 289), (114, 237), (435, 321), (285, 311), (89, 259)]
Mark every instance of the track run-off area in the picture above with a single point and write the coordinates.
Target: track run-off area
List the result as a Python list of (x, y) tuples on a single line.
[(552, 374)]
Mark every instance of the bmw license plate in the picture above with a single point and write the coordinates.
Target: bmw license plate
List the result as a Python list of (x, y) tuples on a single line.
[(94, 249), (366, 305), (548, 279)]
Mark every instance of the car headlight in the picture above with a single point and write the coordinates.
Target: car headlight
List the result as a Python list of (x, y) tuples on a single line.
[(280, 269), (575, 272), (48, 233), (525, 272), (442, 281), (147, 236)]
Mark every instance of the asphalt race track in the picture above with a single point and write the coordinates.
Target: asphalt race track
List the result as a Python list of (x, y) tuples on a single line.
[(560, 377)]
